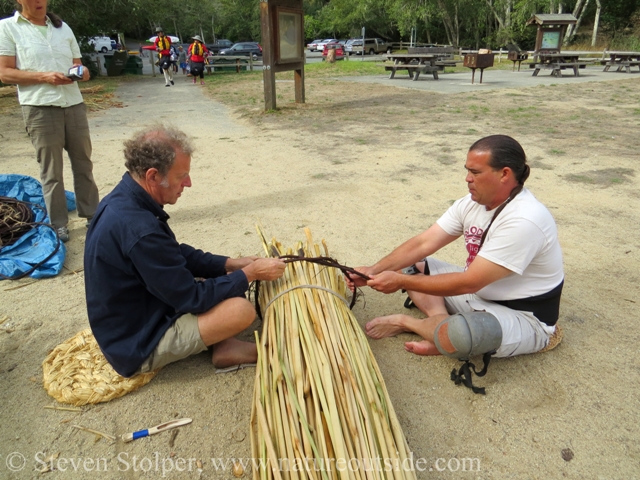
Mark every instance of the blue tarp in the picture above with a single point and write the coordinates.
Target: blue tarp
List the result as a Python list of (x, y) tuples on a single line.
[(39, 242)]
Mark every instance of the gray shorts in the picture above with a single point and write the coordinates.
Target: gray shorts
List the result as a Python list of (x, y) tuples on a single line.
[(180, 341), (522, 332)]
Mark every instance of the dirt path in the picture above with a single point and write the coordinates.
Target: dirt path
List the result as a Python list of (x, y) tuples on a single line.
[(359, 171)]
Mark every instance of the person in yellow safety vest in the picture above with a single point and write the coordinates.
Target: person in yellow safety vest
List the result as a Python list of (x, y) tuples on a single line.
[(163, 46), (197, 52)]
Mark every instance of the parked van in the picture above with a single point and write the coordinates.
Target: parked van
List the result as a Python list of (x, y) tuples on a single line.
[(101, 44), (372, 46)]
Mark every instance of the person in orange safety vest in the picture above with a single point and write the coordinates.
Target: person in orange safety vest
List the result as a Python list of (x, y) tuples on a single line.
[(163, 46), (197, 53)]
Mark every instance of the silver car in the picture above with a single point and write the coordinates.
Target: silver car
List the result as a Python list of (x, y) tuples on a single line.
[(320, 45)]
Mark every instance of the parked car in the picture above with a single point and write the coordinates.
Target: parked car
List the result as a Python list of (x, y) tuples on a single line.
[(333, 46), (320, 45), (243, 48), (371, 46), (102, 44), (312, 46), (221, 44)]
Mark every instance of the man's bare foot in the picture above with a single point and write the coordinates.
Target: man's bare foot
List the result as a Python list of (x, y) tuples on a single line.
[(388, 326), (232, 351), (425, 347)]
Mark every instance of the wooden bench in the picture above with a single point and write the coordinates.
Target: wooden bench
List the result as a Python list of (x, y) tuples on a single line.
[(557, 67), (627, 64), (222, 62), (414, 70), (448, 63)]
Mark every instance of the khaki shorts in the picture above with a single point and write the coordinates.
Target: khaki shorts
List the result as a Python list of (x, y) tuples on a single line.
[(522, 332), (180, 341)]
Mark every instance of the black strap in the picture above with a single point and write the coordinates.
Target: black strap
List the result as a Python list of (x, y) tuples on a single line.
[(545, 307), (464, 375)]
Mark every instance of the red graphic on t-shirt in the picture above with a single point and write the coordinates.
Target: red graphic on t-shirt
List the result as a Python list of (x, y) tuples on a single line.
[(472, 238)]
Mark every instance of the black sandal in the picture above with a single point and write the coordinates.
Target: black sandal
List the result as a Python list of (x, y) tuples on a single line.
[(408, 303)]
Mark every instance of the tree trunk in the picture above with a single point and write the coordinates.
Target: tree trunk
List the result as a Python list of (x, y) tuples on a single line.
[(580, 17), (495, 14), (175, 27), (507, 13), (570, 28), (456, 24), (595, 23), (581, 6), (446, 18)]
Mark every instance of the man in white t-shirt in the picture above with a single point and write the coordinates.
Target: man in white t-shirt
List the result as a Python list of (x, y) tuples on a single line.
[(513, 273)]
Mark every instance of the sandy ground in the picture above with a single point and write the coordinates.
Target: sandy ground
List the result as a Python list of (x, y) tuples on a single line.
[(365, 167)]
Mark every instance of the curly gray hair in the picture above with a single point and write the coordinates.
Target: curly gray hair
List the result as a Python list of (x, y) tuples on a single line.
[(155, 147)]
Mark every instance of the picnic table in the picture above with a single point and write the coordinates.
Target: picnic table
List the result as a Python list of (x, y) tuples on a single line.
[(557, 62), (414, 64), (621, 60)]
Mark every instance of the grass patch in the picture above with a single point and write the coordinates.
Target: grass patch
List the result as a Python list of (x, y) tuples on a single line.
[(523, 112), (446, 159), (605, 177), (540, 165)]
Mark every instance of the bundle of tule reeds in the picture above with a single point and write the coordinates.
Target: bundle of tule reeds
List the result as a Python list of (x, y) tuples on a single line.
[(320, 409)]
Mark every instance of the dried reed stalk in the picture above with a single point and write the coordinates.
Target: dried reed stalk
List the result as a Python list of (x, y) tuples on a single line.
[(321, 409)]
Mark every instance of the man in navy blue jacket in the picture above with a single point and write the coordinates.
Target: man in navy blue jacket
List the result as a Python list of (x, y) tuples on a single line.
[(151, 300)]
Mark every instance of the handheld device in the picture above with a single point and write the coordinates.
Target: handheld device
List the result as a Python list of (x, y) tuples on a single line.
[(76, 72)]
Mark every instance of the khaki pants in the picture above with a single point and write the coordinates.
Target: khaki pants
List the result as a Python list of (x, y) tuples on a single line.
[(53, 129), (180, 341), (522, 332)]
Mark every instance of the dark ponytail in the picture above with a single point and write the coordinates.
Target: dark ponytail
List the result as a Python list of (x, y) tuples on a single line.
[(56, 21)]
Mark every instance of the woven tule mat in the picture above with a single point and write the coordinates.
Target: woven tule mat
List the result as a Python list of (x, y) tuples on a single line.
[(555, 339), (77, 373)]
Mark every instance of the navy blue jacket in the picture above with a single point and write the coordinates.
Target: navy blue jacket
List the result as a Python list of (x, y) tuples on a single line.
[(139, 279)]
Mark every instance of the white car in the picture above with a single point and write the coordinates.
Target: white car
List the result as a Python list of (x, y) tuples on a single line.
[(320, 45), (313, 46), (101, 44)]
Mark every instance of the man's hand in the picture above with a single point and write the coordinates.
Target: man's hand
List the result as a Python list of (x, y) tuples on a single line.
[(55, 78), (86, 75), (234, 264), (354, 281), (386, 282), (264, 269)]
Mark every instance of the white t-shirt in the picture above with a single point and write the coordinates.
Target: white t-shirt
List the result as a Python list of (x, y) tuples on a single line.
[(34, 52), (523, 239)]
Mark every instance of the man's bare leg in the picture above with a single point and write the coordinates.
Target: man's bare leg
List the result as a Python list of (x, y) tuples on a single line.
[(390, 325), (219, 325)]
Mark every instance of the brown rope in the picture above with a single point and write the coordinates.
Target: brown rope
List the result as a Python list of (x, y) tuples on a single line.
[(16, 219), (324, 261)]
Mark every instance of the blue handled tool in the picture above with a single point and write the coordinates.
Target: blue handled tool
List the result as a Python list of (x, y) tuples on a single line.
[(128, 437)]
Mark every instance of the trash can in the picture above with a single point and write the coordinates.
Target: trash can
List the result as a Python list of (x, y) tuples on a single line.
[(133, 65), (115, 63)]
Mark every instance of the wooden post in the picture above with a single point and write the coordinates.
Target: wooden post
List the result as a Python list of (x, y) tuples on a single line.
[(298, 78), (268, 74), (152, 63)]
